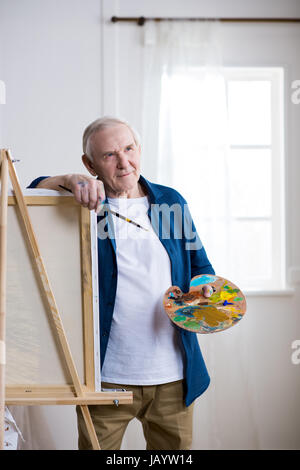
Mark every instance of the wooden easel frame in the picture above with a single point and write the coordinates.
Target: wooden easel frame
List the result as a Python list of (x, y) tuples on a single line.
[(76, 393)]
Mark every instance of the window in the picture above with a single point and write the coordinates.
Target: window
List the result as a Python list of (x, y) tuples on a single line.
[(224, 130)]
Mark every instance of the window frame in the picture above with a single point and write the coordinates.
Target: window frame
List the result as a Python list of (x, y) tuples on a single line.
[(275, 75)]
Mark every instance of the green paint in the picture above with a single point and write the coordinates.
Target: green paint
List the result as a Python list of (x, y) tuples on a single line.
[(191, 324), (179, 318), (215, 297), (238, 298), (230, 289)]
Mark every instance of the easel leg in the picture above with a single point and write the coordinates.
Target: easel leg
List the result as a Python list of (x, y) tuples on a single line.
[(3, 250), (90, 427)]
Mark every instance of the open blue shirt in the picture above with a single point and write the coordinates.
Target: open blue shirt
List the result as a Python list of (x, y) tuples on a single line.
[(188, 259)]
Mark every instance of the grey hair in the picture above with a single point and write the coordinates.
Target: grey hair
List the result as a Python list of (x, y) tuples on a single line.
[(100, 124)]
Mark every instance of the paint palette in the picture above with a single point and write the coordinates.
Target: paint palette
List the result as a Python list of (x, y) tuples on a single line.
[(194, 312)]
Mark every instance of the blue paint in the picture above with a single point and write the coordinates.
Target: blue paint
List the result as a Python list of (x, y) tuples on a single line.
[(202, 280), (186, 311), (179, 302)]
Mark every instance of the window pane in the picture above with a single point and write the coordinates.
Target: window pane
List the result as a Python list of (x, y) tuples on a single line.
[(249, 108), (251, 251), (250, 176)]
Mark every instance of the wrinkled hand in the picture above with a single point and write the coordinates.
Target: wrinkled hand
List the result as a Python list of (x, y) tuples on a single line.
[(87, 191)]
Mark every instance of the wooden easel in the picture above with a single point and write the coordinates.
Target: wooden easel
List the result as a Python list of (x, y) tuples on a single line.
[(80, 397)]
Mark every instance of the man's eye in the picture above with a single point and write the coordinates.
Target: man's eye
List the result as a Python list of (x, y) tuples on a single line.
[(109, 154), (128, 148)]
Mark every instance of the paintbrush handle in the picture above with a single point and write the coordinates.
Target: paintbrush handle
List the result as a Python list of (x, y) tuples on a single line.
[(127, 220), (66, 189)]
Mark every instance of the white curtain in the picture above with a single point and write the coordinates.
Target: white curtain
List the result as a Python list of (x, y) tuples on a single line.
[(185, 125)]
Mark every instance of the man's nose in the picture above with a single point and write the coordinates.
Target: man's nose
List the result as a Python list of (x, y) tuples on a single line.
[(122, 160)]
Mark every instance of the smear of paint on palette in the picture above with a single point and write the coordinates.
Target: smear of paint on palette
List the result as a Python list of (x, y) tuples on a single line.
[(208, 314), (202, 280)]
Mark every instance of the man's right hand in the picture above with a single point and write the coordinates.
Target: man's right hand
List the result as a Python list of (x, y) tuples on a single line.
[(88, 191)]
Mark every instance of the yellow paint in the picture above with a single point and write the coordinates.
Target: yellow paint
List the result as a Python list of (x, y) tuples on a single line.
[(211, 315), (227, 296)]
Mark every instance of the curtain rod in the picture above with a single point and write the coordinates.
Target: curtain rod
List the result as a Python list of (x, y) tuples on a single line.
[(142, 20)]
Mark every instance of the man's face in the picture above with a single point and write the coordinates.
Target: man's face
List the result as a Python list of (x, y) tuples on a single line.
[(116, 160)]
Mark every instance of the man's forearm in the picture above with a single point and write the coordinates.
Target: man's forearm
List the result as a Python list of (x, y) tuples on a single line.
[(54, 182), (88, 191)]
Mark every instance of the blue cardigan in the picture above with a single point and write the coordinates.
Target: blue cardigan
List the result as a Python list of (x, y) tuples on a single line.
[(185, 264)]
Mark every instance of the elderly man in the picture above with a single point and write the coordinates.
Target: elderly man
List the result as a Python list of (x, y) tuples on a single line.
[(141, 350)]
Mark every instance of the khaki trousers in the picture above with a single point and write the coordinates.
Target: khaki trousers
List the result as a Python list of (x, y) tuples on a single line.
[(167, 422)]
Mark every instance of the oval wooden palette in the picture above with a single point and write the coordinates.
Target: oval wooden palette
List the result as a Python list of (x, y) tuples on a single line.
[(194, 312)]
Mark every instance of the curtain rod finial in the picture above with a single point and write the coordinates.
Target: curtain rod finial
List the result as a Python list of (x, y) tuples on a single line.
[(141, 21)]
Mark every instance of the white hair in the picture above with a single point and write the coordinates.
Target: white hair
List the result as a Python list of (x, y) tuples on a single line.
[(98, 125)]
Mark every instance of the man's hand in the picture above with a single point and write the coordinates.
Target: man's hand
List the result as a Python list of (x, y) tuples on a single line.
[(87, 191)]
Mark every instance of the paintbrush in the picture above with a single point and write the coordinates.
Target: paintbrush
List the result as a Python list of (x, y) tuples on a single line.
[(113, 212)]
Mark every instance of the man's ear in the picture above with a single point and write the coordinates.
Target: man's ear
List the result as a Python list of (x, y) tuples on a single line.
[(89, 165)]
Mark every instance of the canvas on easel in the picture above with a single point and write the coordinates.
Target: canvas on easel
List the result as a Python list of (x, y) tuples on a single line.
[(52, 330), (66, 233)]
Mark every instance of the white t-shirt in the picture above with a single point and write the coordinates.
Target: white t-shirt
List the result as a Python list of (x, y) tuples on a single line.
[(143, 347)]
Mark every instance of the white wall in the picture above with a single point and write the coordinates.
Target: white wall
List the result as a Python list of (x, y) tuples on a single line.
[(65, 64), (51, 63)]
